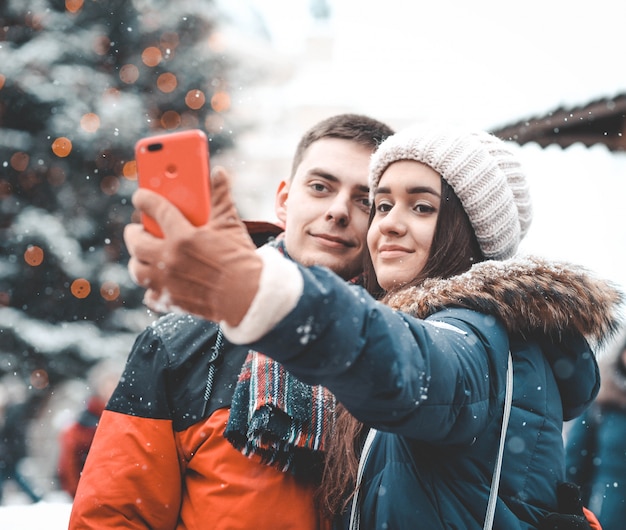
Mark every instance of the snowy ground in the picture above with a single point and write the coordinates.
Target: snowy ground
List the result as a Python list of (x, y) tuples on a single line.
[(50, 514)]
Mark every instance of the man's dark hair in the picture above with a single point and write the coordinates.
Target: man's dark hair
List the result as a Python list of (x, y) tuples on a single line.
[(354, 127)]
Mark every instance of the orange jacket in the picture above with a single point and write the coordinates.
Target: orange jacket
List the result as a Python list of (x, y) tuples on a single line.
[(140, 473), (159, 458)]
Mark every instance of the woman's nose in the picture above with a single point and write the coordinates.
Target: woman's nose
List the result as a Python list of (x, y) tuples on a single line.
[(393, 223)]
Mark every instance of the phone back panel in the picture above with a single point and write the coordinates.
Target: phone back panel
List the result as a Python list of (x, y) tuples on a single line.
[(176, 165)]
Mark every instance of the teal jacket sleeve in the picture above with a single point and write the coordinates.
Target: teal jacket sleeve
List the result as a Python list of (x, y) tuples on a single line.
[(434, 380)]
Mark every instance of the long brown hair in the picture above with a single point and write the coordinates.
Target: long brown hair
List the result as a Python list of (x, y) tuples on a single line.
[(453, 251)]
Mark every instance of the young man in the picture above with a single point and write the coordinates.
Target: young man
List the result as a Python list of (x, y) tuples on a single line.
[(204, 434)]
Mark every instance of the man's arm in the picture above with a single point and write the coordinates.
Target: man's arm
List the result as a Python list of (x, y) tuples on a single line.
[(132, 476)]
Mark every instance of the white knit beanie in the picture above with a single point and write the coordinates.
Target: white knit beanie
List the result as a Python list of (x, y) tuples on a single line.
[(481, 169)]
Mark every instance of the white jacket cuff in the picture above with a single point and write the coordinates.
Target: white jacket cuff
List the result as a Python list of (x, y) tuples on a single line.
[(280, 288)]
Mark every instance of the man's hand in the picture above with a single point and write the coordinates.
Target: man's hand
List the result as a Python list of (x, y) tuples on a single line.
[(212, 270)]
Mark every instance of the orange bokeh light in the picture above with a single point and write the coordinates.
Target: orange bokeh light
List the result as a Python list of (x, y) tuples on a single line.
[(220, 102), (167, 82), (129, 73), (80, 288), (195, 99), (90, 122), (151, 56), (170, 119), (19, 161), (3, 80), (73, 6), (110, 291), (62, 147), (129, 171), (33, 255)]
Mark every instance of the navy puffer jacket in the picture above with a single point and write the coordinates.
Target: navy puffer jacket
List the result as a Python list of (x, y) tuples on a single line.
[(430, 375)]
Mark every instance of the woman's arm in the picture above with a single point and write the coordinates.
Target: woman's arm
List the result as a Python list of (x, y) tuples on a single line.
[(425, 379)]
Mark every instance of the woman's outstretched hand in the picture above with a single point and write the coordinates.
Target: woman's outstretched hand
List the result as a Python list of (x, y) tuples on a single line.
[(211, 271)]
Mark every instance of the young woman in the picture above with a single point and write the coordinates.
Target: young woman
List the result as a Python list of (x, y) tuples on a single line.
[(464, 325)]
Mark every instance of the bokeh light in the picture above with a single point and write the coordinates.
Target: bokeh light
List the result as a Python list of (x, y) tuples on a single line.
[(39, 379), (28, 180), (3, 80), (151, 56), (80, 288), (62, 147), (19, 161), (170, 119), (33, 255), (56, 176), (220, 102), (110, 185), (167, 82), (110, 291), (101, 44), (217, 42), (189, 120), (129, 170), (129, 74), (214, 122), (169, 42), (73, 6), (6, 190), (5, 299), (90, 122), (195, 99)]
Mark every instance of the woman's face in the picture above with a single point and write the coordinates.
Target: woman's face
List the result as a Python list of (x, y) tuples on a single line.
[(406, 206)]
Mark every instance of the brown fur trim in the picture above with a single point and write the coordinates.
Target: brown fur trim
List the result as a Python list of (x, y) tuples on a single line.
[(528, 294)]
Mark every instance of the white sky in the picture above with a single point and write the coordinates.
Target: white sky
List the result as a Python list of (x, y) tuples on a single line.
[(486, 63)]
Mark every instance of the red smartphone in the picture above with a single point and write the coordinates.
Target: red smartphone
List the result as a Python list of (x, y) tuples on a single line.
[(176, 165)]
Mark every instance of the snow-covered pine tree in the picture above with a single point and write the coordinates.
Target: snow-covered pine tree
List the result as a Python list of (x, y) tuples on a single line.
[(80, 82)]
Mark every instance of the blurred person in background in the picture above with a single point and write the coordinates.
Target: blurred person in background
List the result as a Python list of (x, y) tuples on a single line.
[(596, 442), (75, 440)]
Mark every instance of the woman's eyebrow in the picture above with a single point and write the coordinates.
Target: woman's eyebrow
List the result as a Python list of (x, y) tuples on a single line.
[(411, 191)]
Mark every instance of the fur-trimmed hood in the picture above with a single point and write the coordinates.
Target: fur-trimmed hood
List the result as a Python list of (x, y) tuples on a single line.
[(530, 295)]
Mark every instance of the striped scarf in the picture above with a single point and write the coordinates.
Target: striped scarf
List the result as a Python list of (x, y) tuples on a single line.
[(279, 418)]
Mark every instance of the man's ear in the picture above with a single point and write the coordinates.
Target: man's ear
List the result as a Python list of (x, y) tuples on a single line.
[(280, 202)]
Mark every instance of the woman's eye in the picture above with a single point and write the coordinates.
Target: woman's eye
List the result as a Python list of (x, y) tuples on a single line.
[(424, 208), (383, 207)]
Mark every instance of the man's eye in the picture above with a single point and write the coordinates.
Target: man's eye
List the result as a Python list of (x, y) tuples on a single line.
[(316, 186)]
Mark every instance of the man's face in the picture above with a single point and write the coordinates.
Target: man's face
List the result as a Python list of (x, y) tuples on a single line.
[(325, 206)]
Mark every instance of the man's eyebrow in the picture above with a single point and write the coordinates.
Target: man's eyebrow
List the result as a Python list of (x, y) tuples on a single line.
[(415, 190), (321, 173)]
